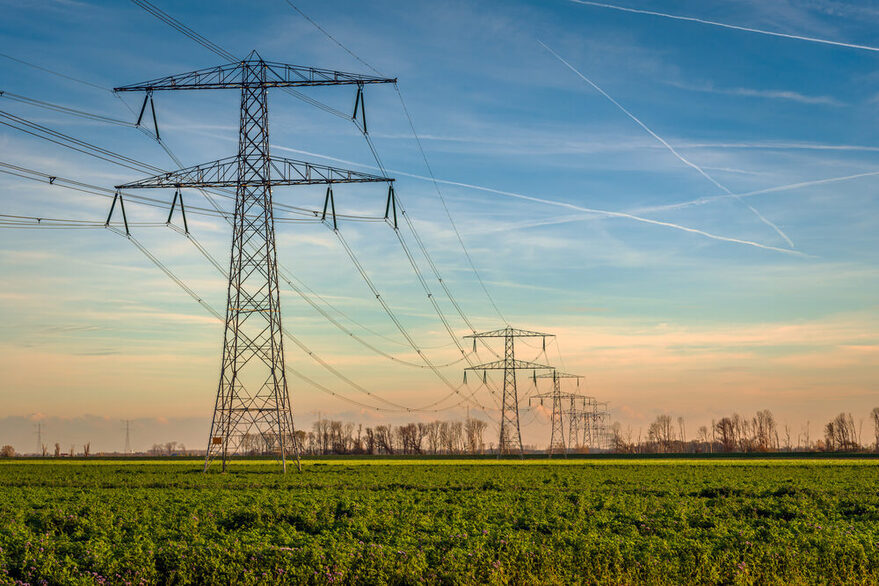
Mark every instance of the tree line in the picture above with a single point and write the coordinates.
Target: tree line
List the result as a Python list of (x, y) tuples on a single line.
[(736, 433), (329, 436)]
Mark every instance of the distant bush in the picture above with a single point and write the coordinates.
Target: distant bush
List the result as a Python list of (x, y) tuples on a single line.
[(7, 452)]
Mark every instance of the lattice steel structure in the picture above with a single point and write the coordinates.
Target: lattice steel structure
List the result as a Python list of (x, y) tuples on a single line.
[(252, 410), (510, 440), (557, 435), (596, 424)]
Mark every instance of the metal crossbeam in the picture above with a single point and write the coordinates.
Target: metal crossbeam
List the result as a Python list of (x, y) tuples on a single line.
[(280, 171), (517, 364), (234, 76), (508, 331)]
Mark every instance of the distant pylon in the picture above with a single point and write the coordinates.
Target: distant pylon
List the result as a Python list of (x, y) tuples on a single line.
[(557, 436), (40, 439), (573, 423), (252, 412), (510, 438), (127, 436)]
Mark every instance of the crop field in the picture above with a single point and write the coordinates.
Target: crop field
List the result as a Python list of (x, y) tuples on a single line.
[(449, 522)]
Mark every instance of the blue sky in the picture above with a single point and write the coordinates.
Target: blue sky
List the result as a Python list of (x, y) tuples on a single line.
[(658, 318)]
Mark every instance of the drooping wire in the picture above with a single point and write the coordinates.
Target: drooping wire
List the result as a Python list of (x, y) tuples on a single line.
[(208, 307), (334, 39), (316, 307), (223, 53), (53, 72), (423, 156), (7, 220), (446, 207), (390, 313), (75, 144), (314, 356), (95, 148), (64, 109), (190, 33)]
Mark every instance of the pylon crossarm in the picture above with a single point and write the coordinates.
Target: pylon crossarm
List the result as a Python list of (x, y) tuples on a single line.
[(232, 75), (512, 364), (558, 375), (503, 333), (224, 173)]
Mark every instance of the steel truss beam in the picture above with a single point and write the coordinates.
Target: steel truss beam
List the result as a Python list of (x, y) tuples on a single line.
[(235, 76), (280, 171)]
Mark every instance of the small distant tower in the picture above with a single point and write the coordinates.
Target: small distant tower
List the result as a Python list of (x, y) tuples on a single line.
[(127, 437), (557, 436), (39, 438), (510, 441)]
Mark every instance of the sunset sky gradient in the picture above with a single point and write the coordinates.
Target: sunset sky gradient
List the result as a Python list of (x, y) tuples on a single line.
[(613, 230)]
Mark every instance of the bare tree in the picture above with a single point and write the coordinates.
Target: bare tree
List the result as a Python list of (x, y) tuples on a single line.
[(840, 433), (7, 451), (702, 436), (660, 433), (369, 443), (445, 437), (764, 430), (384, 439), (433, 436), (86, 449), (874, 416), (57, 450), (474, 430), (726, 429), (456, 437)]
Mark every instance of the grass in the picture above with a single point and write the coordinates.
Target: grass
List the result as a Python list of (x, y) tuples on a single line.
[(658, 521)]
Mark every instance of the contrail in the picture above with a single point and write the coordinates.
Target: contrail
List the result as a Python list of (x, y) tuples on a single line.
[(729, 26), (612, 214), (671, 149), (599, 212), (709, 199)]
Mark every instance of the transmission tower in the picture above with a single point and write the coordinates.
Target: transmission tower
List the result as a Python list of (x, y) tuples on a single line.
[(510, 440), (598, 430), (39, 433), (127, 436), (557, 436), (253, 403)]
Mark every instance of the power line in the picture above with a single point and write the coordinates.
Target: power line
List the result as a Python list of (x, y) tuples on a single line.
[(423, 156), (332, 38), (64, 109), (65, 138), (41, 68), (210, 309), (187, 31)]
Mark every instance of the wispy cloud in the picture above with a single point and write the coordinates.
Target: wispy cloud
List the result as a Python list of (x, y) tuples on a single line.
[(760, 93), (779, 188), (728, 26), (670, 148), (596, 211)]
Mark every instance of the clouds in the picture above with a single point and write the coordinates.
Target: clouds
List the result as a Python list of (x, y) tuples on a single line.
[(564, 203), (762, 93)]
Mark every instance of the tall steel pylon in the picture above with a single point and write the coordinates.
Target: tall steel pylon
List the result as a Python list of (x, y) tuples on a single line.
[(252, 412), (510, 439), (557, 435)]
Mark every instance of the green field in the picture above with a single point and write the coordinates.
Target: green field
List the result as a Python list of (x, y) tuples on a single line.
[(442, 521)]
